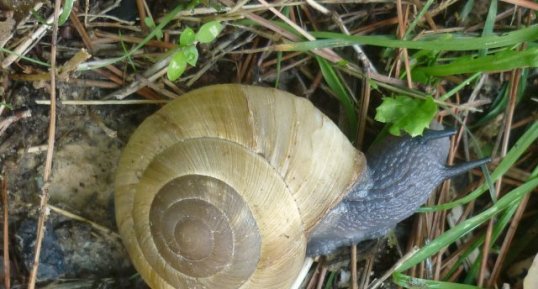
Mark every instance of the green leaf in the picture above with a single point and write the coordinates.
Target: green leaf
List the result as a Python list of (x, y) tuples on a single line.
[(405, 113), (191, 54), (209, 31), (187, 37), (177, 66), (68, 6)]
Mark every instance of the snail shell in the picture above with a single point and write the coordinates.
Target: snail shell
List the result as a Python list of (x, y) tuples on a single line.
[(221, 187)]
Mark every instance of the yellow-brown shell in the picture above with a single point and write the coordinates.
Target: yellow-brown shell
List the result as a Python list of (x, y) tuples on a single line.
[(221, 187)]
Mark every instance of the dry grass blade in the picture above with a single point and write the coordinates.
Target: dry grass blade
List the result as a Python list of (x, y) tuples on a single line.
[(28, 41), (5, 123), (81, 30), (5, 205), (44, 197), (378, 282), (523, 3)]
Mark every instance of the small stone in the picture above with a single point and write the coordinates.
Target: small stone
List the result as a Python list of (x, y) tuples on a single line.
[(51, 259)]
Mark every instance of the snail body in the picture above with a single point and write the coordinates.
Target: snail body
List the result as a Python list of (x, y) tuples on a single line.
[(227, 186)]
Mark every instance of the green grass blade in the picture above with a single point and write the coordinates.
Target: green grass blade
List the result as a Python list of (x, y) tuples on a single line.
[(489, 24), (459, 87), (468, 225), (501, 61), (508, 161), (126, 51), (499, 105), (278, 68), (25, 57), (413, 24), (330, 280), (500, 225), (466, 10), (444, 42)]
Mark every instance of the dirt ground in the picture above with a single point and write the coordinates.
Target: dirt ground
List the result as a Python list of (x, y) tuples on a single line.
[(88, 145)]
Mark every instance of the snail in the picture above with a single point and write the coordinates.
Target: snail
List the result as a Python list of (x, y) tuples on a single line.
[(231, 186)]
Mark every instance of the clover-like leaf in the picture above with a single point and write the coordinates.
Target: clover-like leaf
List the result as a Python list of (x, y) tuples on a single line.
[(191, 54), (209, 31), (405, 113), (177, 66), (187, 37)]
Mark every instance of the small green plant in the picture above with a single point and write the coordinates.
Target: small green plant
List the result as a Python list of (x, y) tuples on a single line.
[(405, 113), (188, 53)]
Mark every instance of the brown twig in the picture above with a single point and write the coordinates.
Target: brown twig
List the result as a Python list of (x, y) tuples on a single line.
[(139, 85), (367, 270), (354, 283), (5, 204), (321, 278), (81, 30), (375, 26), (50, 150), (5, 123), (314, 276), (284, 58), (427, 15), (142, 15), (325, 53), (246, 65), (523, 3), (402, 24), (362, 57)]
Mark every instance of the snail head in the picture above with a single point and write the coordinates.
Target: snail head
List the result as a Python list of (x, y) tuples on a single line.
[(402, 172)]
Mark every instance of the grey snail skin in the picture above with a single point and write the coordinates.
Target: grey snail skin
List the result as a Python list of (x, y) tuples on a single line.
[(232, 186), (401, 174)]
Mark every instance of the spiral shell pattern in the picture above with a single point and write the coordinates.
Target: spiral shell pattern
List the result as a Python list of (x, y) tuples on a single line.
[(222, 186)]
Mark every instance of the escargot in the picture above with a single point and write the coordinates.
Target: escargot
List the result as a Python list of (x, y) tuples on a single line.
[(231, 186)]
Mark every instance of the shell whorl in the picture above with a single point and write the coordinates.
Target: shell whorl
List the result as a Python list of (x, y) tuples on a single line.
[(222, 186)]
